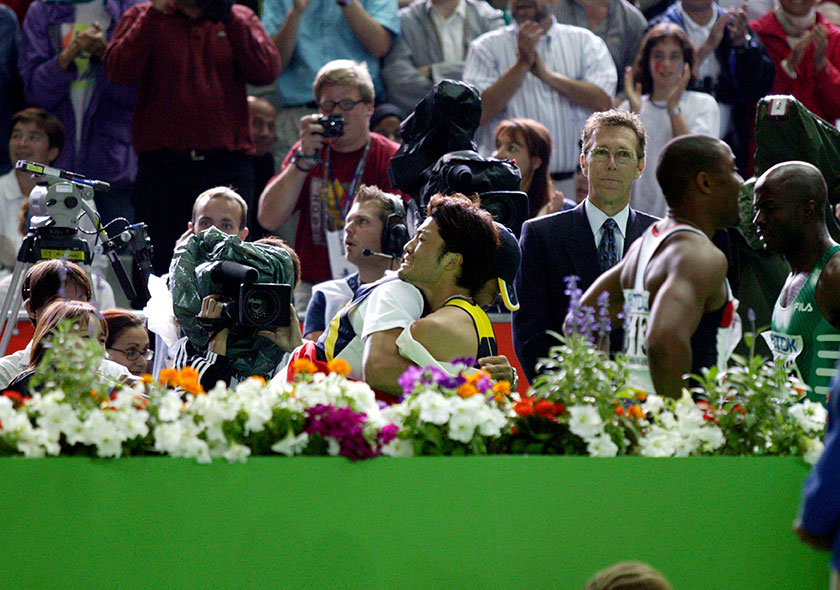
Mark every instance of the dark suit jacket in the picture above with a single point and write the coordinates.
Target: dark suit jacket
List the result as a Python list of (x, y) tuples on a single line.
[(554, 247)]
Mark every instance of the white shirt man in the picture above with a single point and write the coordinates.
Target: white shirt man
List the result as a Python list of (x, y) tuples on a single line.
[(537, 68)]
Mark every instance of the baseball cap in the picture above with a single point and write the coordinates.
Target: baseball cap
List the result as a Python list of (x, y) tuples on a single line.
[(506, 265)]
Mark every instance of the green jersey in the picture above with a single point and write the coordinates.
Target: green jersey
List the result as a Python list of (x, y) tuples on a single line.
[(801, 335)]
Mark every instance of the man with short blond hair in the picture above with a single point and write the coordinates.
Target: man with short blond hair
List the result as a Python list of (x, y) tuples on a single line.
[(323, 170)]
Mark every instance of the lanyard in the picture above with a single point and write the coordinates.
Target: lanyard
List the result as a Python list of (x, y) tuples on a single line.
[(336, 199)]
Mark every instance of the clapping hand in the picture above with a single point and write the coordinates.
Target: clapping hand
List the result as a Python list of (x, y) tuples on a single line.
[(529, 34), (674, 97), (738, 26), (632, 90)]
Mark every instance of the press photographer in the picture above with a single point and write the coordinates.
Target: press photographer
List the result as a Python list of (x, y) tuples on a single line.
[(322, 172), (232, 300)]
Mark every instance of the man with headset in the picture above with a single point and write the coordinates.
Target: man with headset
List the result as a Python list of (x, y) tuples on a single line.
[(374, 235)]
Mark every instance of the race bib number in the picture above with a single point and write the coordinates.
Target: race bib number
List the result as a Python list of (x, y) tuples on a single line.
[(785, 347), (636, 315)]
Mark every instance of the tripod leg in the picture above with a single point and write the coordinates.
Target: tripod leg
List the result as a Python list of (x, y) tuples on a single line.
[(11, 305)]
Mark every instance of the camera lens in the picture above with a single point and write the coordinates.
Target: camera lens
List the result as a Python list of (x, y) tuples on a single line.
[(262, 306)]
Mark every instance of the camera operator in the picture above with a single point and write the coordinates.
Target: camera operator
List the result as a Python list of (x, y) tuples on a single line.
[(323, 170), (217, 362), (374, 237), (191, 61)]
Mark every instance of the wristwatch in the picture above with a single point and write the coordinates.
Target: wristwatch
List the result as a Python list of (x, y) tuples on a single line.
[(675, 111)]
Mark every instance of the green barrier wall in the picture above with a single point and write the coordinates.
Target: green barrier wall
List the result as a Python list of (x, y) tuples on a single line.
[(482, 522)]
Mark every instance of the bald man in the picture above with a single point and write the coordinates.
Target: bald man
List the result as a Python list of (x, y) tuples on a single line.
[(790, 216), (680, 314)]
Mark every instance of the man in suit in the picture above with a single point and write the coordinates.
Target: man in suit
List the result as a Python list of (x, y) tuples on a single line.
[(584, 241)]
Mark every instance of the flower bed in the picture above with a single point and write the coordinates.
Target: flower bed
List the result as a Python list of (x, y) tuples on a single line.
[(579, 405)]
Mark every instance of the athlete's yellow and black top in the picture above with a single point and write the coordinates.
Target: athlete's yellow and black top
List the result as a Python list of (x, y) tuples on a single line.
[(483, 326)]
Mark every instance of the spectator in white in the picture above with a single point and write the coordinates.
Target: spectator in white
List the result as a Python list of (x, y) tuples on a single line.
[(36, 136), (618, 22), (432, 46), (538, 69), (311, 33), (656, 91), (730, 63), (372, 224), (321, 174)]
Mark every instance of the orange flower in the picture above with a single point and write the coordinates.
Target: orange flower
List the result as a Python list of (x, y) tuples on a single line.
[(640, 395), (193, 387), (339, 366), (635, 411), (189, 374), (169, 377), (147, 378), (467, 390), (304, 366), (619, 411), (474, 378), (502, 387), (259, 378)]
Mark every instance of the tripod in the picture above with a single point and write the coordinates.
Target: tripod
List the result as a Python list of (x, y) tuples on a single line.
[(41, 243)]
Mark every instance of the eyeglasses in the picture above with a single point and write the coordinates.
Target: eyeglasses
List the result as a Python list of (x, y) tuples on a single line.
[(345, 105), (620, 157), (133, 354)]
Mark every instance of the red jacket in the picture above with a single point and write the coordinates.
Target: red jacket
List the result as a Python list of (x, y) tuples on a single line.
[(820, 93), (191, 76)]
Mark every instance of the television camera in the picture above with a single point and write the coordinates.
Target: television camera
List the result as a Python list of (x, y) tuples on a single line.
[(57, 204)]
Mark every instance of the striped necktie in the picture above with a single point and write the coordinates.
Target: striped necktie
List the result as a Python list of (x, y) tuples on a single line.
[(607, 251)]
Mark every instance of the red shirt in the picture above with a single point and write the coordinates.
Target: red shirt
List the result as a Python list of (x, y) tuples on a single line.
[(310, 241), (191, 76)]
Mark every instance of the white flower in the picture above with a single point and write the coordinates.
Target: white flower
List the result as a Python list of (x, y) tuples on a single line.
[(258, 414), (657, 443), (811, 416), (169, 406), (684, 445), (710, 437), (652, 404), (815, 448), (237, 453), (462, 426), (491, 422), (602, 446), (291, 445), (398, 447), (334, 448), (585, 421), (434, 407)]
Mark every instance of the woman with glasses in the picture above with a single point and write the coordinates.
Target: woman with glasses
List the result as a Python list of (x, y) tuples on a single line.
[(128, 341), (656, 90)]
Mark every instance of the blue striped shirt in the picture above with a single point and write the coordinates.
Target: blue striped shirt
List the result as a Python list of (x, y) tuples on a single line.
[(573, 52)]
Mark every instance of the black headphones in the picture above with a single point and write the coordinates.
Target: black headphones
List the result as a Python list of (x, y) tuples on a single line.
[(395, 232)]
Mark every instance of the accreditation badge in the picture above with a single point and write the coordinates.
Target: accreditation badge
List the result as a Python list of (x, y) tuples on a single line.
[(339, 266)]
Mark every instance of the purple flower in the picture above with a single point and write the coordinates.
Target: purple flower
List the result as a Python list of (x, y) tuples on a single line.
[(388, 433), (410, 378), (467, 361)]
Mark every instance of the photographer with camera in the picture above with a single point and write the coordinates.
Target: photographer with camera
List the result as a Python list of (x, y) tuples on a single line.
[(191, 61), (233, 299), (335, 155)]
